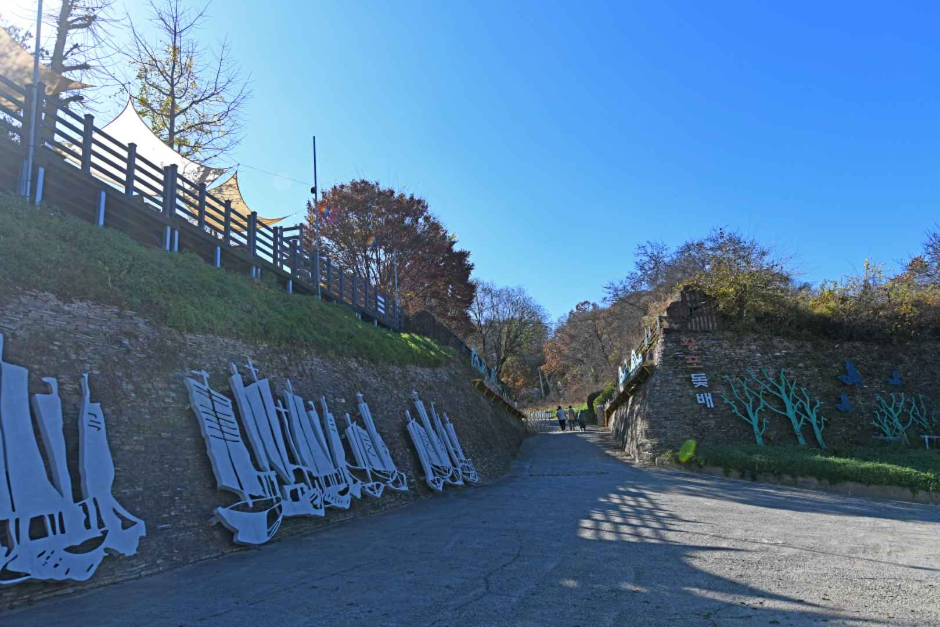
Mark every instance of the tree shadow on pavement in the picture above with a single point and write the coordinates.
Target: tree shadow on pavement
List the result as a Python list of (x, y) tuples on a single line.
[(767, 495), (634, 559)]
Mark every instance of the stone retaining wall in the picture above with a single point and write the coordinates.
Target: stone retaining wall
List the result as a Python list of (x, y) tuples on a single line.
[(163, 475), (664, 412)]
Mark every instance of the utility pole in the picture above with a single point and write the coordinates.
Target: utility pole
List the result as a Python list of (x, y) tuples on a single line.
[(316, 220), (395, 260), (28, 178)]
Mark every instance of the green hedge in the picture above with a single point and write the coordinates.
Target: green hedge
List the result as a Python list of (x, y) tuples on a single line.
[(918, 470)]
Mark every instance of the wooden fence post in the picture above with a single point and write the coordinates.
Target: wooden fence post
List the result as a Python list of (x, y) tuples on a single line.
[(87, 133), (169, 191), (252, 234), (202, 206), (329, 275), (252, 231), (278, 243), (342, 294), (171, 242), (130, 170), (355, 301), (227, 232)]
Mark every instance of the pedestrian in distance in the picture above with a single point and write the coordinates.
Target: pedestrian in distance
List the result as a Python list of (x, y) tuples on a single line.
[(570, 417), (560, 414), (582, 420)]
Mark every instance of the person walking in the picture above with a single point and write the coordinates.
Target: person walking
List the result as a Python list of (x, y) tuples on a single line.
[(582, 420), (560, 414), (570, 416)]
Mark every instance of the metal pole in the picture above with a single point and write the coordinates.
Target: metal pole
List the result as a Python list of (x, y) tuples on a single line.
[(316, 221), (32, 118), (396, 277)]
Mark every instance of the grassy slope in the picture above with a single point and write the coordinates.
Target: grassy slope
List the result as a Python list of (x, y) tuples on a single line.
[(43, 250), (916, 469)]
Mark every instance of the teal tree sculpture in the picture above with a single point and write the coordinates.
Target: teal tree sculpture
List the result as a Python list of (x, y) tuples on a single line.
[(809, 407), (888, 416), (786, 392), (924, 416), (752, 402), (798, 410)]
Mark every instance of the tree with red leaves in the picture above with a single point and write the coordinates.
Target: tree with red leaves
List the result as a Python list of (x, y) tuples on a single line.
[(363, 226)]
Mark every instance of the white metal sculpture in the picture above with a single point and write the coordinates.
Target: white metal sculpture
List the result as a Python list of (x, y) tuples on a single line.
[(371, 453), (49, 536), (438, 468), (310, 448), (448, 436), (434, 473), (359, 478), (257, 516), (301, 492)]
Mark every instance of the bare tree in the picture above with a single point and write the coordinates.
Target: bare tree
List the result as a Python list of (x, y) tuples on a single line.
[(192, 97), (79, 52), (506, 321), (584, 350), (78, 46)]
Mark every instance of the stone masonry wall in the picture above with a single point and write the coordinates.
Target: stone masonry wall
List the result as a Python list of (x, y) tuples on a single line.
[(163, 475), (664, 412)]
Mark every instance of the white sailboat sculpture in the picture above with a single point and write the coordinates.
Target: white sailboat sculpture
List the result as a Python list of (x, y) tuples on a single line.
[(257, 516), (372, 454), (301, 463), (448, 436), (302, 491), (44, 533), (438, 468), (356, 475), (309, 446)]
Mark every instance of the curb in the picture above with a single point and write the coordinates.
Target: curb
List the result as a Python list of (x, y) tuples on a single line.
[(849, 488)]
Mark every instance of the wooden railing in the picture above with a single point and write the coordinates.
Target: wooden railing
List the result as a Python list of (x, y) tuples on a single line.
[(138, 196)]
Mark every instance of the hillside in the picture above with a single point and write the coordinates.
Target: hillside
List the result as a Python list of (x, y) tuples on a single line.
[(45, 250)]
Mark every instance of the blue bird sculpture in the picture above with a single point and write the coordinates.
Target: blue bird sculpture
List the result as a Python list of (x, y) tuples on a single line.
[(844, 405), (853, 377)]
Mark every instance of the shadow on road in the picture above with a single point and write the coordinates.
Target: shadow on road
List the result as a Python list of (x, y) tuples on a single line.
[(639, 560), (572, 537), (770, 496)]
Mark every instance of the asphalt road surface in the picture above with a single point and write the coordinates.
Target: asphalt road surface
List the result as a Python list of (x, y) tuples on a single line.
[(573, 536)]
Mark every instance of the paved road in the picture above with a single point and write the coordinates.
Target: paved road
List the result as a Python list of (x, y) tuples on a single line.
[(574, 536)]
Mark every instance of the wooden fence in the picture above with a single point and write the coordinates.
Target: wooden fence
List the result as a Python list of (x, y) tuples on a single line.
[(98, 178)]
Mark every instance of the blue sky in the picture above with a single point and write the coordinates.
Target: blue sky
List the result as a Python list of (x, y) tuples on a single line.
[(553, 137)]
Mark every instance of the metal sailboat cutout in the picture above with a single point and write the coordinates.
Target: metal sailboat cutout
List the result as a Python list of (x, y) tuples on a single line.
[(44, 533), (358, 484), (296, 464), (371, 453), (438, 468), (310, 449), (448, 436), (257, 516), (267, 424)]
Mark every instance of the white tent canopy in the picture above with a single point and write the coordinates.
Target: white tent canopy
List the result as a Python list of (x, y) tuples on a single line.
[(17, 65), (128, 128)]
